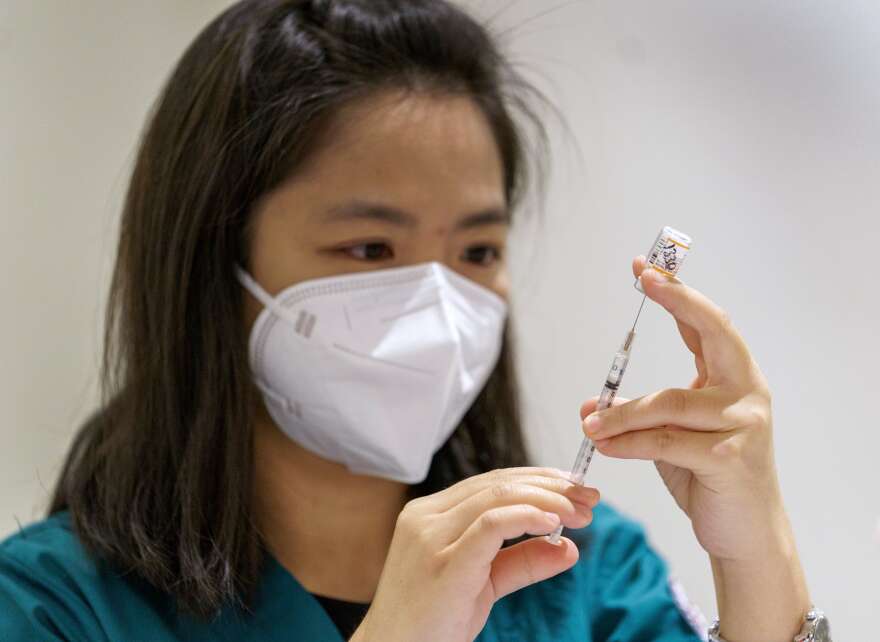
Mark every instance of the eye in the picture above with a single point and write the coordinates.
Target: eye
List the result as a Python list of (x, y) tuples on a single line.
[(369, 251), (482, 254)]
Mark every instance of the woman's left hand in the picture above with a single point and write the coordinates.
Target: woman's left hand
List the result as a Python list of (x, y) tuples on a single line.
[(712, 442)]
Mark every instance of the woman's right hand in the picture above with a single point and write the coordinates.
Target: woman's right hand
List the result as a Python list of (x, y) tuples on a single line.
[(445, 567)]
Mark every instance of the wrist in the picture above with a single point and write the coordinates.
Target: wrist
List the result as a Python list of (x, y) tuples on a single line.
[(772, 541), (764, 597), (763, 532), (816, 628)]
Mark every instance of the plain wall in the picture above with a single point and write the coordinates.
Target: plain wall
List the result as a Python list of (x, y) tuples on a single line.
[(751, 125)]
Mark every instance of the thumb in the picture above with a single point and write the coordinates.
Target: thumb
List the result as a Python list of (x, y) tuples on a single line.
[(589, 406), (529, 562)]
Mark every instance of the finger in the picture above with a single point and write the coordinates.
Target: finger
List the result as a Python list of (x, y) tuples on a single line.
[(589, 405), (689, 449), (549, 478), (722, 346), (481, 541), (690, 336), (701, 409), (638, 265), (528, 562), (572, 513), (702, 374)]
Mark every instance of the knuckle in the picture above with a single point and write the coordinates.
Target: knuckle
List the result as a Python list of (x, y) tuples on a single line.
[(763, 395), (490, 520), (504, 490), (441, 561), (488, 475), (676, 401), (752, 413), (529, 512), (503, 472), (730, 416), (424, 538), (412, 515), (618, 415), (727, 450), (406, 519), (758, 415), (414, 505)]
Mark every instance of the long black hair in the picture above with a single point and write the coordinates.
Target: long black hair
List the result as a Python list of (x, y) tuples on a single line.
[(159, 480)]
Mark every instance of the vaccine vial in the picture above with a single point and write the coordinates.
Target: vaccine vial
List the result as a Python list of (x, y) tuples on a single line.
[(667, 253)]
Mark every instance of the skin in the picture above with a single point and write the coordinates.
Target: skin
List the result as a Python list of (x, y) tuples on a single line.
[(433, 567), (712, 444)]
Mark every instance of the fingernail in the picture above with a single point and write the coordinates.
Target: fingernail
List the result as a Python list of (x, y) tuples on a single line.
[(552, 517), (589, 496)]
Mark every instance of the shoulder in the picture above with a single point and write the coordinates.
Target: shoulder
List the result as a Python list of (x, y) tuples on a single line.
[(47, 543), (53, 590), (47, 551), (42, 571)]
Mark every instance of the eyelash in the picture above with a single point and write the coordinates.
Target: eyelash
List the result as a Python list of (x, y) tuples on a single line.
[(496, 251)]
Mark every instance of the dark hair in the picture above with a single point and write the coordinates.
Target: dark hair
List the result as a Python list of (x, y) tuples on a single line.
[(159, 480)]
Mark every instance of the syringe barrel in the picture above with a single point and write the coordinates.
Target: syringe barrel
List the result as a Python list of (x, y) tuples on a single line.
[(582, 461), (609, 391), (612, 381)]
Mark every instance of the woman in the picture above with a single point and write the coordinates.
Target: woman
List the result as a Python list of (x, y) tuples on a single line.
[(310, 428)]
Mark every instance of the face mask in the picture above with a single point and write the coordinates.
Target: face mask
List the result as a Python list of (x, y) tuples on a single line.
[(375, 370)]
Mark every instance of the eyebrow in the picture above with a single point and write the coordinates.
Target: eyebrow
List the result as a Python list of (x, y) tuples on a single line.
[(388, 214)]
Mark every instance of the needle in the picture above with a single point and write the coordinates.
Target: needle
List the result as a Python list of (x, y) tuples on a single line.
[(639, 313)]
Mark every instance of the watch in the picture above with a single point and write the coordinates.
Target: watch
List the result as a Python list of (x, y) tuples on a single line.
[(815, 629)]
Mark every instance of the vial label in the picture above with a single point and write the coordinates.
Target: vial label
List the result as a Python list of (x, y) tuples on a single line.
[(667, 253)]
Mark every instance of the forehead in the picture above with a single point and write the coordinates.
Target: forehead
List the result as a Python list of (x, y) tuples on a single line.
[(415, 147)]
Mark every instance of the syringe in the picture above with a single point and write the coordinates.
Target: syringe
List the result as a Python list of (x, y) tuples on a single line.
[(609, 391)]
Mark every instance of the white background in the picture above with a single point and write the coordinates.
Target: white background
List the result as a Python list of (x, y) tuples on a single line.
[(753, 126)]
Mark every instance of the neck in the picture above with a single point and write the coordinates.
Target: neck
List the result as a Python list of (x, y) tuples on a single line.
[(329, 528)]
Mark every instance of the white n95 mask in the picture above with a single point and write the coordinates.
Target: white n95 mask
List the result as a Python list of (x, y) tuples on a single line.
[(374, 370)]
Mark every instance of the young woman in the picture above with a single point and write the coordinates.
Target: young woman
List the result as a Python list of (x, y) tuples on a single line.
[(310, 428)]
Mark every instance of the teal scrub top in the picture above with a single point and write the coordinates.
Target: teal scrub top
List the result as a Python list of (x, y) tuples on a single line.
[(51, 590)]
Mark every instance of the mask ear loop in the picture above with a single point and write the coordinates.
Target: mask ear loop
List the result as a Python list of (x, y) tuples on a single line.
[(272, 305), (264, 297)]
